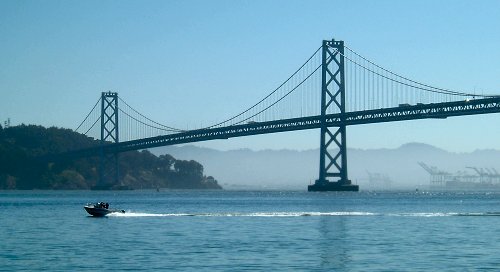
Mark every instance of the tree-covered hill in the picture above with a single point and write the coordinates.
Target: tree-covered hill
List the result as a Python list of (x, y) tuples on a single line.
[(21, 148)]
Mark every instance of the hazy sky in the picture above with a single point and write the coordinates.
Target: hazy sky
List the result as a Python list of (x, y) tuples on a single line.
[(189, 63)]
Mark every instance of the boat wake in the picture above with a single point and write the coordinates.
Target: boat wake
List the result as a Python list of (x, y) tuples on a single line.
[(441, 214), (297, 214), (257, 214)]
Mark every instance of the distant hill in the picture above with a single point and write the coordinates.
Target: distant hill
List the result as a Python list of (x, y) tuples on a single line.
[(291, 169), (21, 166)]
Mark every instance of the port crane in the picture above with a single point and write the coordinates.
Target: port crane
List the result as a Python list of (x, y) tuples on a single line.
[(438, 177), (486, 175)]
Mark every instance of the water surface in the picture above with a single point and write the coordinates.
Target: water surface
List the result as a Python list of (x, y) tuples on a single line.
[(231, 230)]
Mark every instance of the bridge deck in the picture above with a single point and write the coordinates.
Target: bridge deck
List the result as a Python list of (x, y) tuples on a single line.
[(401, 113)]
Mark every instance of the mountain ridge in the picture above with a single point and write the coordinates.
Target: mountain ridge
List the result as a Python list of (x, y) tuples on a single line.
[(295, 169)]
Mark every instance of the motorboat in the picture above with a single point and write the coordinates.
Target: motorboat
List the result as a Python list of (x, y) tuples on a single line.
[(100, 209)]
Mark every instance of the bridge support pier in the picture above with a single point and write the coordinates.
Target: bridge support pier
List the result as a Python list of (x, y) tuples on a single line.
[(333, 163), (108, 167)]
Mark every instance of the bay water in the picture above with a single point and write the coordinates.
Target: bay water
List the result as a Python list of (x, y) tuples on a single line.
[(195, 230)]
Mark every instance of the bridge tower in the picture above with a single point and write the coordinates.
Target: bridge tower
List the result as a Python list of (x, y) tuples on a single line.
[(333, 163), (108, 168)]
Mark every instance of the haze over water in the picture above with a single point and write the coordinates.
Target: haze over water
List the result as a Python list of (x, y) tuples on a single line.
[(251, 230)]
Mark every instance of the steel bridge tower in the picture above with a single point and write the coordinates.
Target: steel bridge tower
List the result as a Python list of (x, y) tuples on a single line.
[(109, 167), (333, 163)]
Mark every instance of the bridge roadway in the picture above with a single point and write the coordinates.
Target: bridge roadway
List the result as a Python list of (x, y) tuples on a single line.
[(401, 113)]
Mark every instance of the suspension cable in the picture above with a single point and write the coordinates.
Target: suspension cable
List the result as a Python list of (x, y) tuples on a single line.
[(439, 90), (161, 125), (283, 97), (410, 85), (92, 125), (274, 91), (85, 119), (148, 125)]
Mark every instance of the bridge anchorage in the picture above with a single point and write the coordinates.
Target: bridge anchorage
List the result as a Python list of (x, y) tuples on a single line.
[(354, 91)]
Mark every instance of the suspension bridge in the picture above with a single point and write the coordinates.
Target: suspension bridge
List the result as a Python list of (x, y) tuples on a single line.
[(334, 88)]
